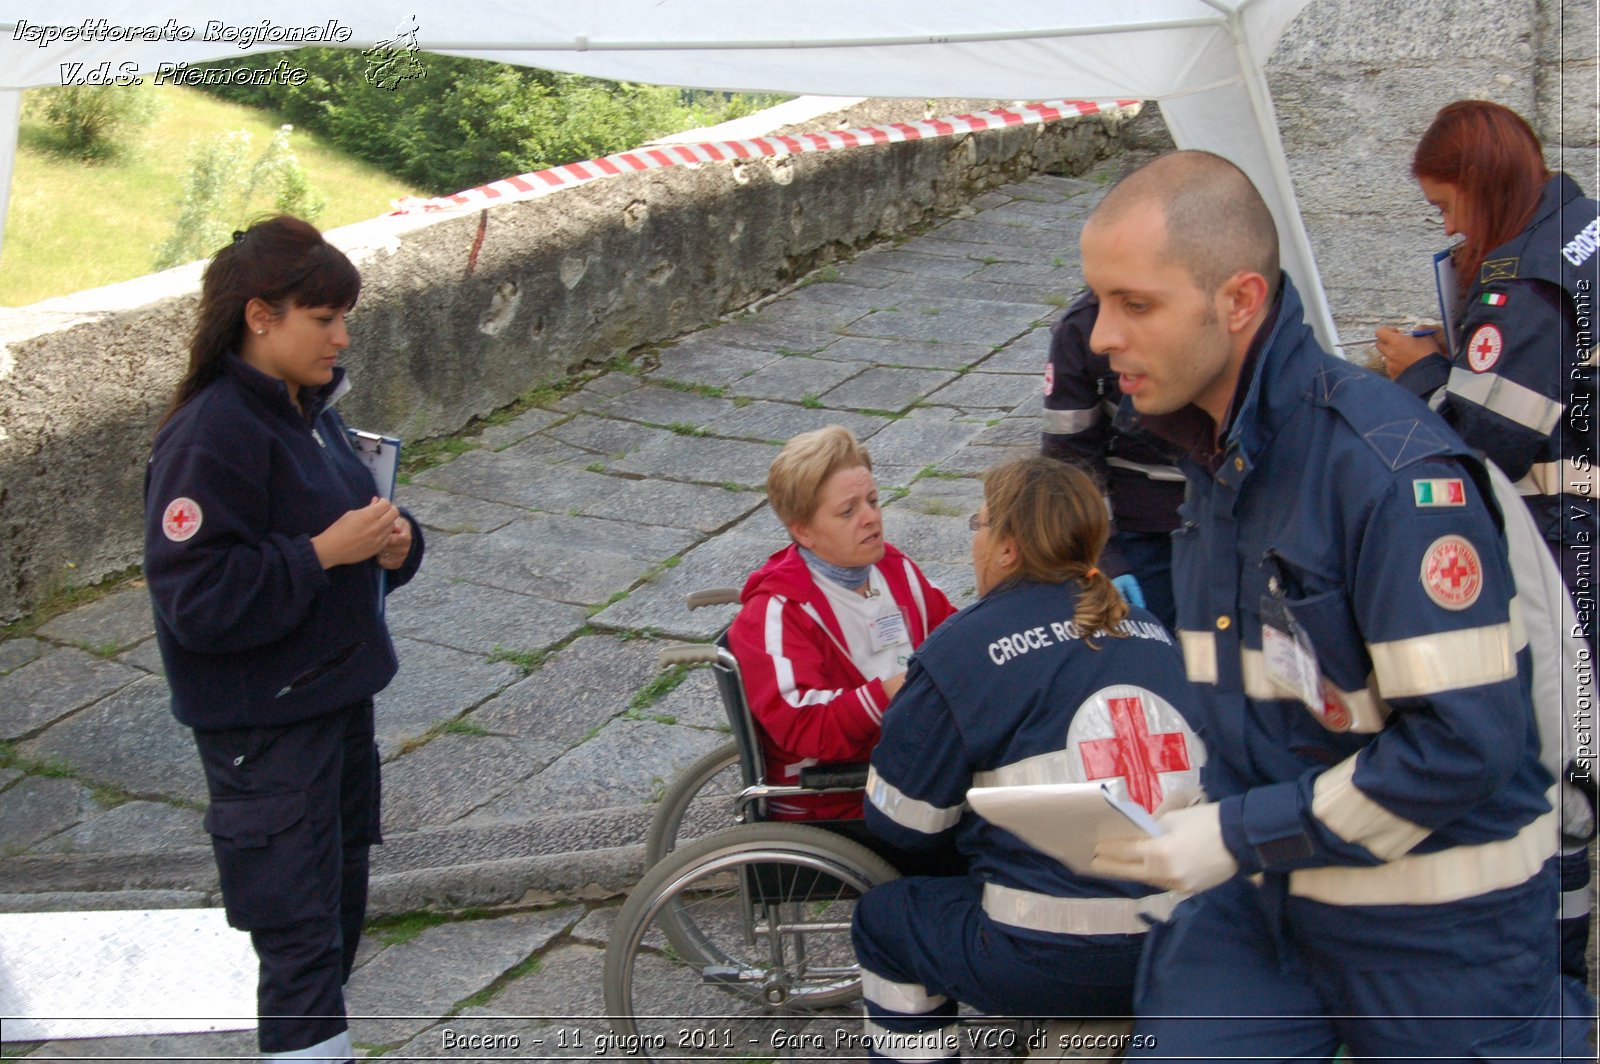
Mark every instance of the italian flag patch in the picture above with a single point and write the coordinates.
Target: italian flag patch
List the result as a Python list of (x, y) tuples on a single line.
[(1448, 492), (1493, 299)]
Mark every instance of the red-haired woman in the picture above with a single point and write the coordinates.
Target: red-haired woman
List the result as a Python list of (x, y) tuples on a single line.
[(263, 545), (1520, 382)]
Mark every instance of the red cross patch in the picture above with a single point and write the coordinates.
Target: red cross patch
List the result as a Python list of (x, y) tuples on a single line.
[(1451, 573), (1132, 735), (181, 519), (1483, 350), (1049, 377)]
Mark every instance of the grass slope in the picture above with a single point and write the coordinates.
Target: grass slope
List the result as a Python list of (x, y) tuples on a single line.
[(73, 226)]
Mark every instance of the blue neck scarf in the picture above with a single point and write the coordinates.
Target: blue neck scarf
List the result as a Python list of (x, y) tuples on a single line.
[(851, 579)]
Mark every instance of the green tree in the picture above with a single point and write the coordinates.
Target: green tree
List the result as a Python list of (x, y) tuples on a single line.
[(95, 122), (225, 189)]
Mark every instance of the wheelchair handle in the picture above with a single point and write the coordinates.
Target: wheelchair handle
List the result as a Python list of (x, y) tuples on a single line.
[(714, 596), (689, 654)]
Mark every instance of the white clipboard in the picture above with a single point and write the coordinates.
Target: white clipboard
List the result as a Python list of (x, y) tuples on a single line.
[(381, 455), (1064, 820)]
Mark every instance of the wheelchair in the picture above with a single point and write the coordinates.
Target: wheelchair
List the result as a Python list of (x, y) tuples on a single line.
[(736, 942)]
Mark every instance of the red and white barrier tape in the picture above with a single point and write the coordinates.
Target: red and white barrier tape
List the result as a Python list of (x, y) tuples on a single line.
[(543, 182)]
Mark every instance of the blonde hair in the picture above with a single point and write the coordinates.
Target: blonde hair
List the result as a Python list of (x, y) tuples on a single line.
[(794, 482), (1055, 515)]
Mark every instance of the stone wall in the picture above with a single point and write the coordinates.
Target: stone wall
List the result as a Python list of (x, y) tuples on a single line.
[(462, 314), (1356, 82)]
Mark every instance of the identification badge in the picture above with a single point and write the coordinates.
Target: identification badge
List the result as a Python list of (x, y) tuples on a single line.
[(1291, 661), (887, 630)]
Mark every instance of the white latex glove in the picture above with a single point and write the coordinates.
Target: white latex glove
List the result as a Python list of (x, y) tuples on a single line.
[(1190, 857), (1577, 815)]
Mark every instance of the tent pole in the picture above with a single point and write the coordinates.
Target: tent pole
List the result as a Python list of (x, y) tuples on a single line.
[(10, 116)]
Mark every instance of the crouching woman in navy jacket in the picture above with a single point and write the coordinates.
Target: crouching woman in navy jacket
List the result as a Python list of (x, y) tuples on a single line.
[(267, 552), (1049, 678)]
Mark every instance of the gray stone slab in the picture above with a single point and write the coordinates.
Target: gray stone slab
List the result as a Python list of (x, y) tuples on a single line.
[(886, 389), (919, 442), (724, 561), (411, 985), (704, 460), (977, 459), (565, 986), (986, 391), (696, 507), (710, 364), (476, 618), (15, 653), (988, 230), (865, 275), (656, 404), (50, 687), (37, 807), (455, 774), (518, 428), (8, 776), (216, 1048), (962, 325), (596, 392), (953, 266), (146, 656), (955, 579), (777, 422), (1064, 278), (924, 354), (793, 378), (943, 497), (805, 313), (515, 477), (929, 537), (116, 621), (936, 244), (132, 827), (694, 703), (840, 294), (443, 511), (434, 684), (130, 739), (630, 762), (774, 339), (1026, 354), (576, 691), (606, 438), (1020, 431), (568, 559)]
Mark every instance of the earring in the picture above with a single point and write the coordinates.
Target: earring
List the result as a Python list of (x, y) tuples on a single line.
[(261, 332)]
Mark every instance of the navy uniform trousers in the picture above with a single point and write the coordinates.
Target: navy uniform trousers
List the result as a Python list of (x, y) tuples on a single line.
[(293, 812)]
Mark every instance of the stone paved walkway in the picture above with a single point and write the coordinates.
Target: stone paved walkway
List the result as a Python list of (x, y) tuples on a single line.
[(530, 730)]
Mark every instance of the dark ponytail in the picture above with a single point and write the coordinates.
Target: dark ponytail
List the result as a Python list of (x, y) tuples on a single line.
[(283, 261)]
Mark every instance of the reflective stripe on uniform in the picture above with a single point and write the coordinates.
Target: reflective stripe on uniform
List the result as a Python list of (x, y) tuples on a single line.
[(1052, 767), (1071, 422), (1347, 812), (1443, 661), (910, 812), (1435, 878), (916, 594), (336, 1048), (1154, 472), (1199, 655), (1554, 478), (941, 1044), (1075, 916), (1577, 904), (898, 997), (1507, 398), (1367, 711)]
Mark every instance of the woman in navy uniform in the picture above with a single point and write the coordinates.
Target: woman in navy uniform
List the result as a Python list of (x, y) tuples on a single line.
[(267, 552), (1049, 678), (1520, 383)]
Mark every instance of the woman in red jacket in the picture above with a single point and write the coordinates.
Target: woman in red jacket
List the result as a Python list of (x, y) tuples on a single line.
[(828, 623)]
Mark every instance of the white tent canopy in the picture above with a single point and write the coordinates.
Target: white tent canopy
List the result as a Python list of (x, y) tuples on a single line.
[(1201, 59)]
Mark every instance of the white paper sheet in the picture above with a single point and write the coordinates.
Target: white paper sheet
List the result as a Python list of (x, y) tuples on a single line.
[(1064, 820)]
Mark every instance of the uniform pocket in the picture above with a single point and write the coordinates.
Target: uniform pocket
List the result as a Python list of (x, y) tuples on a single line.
[(270, 860)]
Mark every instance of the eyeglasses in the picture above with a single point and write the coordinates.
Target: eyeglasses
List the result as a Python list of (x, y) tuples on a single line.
[(975, 522)]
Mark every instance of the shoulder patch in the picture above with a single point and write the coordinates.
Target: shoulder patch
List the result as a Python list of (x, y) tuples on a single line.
[(1484, 349), (1368, 404), (1452, 575), (1499, 270), (1049, 377), (1400, 443), (1450, 491), (1136, 741), (181, 519), (1494, 299)]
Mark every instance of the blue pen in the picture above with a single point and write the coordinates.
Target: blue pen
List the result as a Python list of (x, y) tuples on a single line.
[(1374, 339)]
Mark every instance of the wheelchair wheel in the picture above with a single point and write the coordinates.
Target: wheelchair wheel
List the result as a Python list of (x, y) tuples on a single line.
[(699, 802), (739, 942)]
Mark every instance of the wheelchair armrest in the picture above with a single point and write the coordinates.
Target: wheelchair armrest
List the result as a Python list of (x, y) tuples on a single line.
[(688, 654), (834, 777), (714, 596)]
